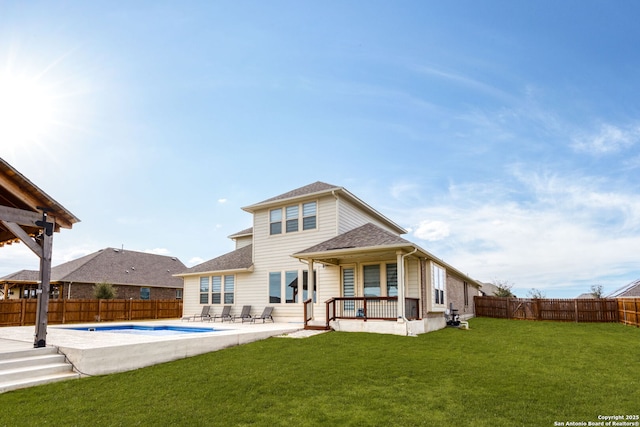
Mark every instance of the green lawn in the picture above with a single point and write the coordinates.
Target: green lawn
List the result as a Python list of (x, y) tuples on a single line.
[(498, 373)]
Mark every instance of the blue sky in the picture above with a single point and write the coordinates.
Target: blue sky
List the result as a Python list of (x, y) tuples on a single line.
[(504, 135)]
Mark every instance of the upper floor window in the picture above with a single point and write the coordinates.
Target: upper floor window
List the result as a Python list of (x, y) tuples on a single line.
[(275, 221), (309, 216), (292, 218)]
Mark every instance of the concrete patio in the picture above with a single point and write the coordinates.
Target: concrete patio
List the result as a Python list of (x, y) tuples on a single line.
[(99, 353)]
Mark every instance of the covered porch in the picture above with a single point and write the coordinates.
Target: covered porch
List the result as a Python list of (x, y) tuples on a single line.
[(371, 279)]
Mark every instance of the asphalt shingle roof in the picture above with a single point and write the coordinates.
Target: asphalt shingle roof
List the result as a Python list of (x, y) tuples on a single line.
[(116, 266), (239, 259), (366, 236), (316, 187)]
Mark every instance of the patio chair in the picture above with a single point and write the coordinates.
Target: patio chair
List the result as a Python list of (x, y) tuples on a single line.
[(266, 315), (225, 315), (244, 315), (205, 313)]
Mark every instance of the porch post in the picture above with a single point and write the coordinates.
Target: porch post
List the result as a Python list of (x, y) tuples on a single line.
[(311, 285), (401, 305)]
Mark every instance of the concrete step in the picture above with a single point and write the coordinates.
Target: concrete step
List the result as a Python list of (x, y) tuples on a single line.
[(31, 361), (30, 382), (28, 352), (26, 368)]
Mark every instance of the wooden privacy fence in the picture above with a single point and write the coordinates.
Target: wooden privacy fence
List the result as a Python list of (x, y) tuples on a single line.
[(628, 311), (23, 312), (568, 310)]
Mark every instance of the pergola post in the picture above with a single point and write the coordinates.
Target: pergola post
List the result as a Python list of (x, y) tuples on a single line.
[(42, 317)]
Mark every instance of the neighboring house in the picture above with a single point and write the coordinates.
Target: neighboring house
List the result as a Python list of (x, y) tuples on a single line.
[(365, 276), (488, 289), (135, 275), (586, 295), (632, 290)]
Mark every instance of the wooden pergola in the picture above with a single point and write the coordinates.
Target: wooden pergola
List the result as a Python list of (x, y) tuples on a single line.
[(30, 216)]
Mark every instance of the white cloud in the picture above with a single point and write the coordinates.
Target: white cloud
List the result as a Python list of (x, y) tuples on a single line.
[(222, 201), (555, 233), (432, 230), (608, 139)]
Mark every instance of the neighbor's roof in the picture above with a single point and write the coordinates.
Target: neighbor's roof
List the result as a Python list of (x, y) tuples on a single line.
[(318, 189), (16, 191), (630, 290), (238, 260), (116, 266)]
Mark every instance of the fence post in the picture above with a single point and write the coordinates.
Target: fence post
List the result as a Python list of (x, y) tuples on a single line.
[(23, 310), (64, 310), (575, 303)]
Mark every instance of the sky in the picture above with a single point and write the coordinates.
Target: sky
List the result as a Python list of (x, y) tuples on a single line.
[(503, 135)]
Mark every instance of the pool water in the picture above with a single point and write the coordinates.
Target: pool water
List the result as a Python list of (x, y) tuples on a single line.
[(146, 330)]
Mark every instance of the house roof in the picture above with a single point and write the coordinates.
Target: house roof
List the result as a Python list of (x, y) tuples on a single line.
[(116, 266), (17, 192), (369, 238), (366, 236), (318, 189), (244, 233), (238, 260), (630, 290)]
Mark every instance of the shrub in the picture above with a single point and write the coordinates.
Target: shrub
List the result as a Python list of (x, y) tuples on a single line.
[(104, 290)]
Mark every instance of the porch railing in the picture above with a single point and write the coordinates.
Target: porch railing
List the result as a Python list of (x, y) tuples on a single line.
[(365, 308)]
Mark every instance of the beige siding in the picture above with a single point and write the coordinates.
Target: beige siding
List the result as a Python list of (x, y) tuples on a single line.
[(241, 242), (191, 296), (350, 217), (412, 278), (273, 254)]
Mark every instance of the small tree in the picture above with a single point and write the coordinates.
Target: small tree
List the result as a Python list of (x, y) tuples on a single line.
[(104, 290), (597, 291), (504, 288), (536, 294)]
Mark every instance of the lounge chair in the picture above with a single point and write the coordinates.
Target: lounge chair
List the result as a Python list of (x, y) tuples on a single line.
[(244, 315), (266, 315), (203, 315), (225, 315)]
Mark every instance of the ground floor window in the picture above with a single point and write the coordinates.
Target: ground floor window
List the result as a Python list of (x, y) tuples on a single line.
[(392, 280), (290, 287), (274, 287), (204, 290), (145, 293), (178, 293), (371, 278), (466, 294), (438, 280), (216, 289), (229, 289)]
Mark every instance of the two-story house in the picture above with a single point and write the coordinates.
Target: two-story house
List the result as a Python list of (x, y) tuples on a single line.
[(365, 277)]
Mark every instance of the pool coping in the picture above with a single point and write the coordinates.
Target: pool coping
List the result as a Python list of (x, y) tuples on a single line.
[(103, 353)]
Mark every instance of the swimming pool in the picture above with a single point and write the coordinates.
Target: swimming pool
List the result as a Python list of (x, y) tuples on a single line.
[(160, 330)]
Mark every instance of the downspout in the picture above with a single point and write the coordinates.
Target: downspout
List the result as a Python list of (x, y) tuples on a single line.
[(401, 290)]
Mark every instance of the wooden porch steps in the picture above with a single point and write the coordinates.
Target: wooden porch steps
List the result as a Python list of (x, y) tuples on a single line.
[(317, 328), (27, 368)]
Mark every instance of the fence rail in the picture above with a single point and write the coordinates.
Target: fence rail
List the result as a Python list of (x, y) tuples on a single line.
[(624, 310), (23, 312)]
